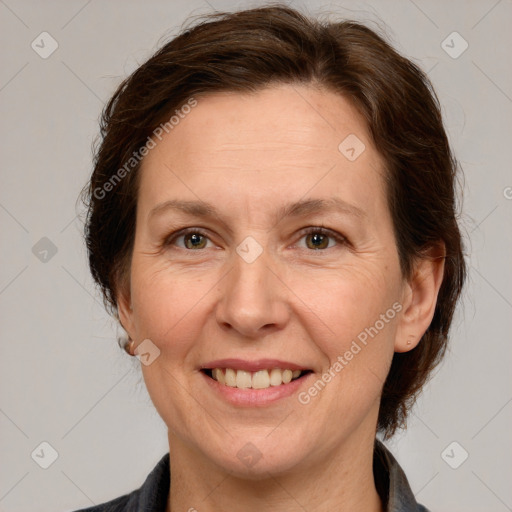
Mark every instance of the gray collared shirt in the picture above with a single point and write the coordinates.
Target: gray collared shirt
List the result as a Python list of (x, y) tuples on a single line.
[(390, 480)]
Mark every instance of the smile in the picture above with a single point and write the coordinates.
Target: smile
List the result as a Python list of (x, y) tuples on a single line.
[(261, 379)]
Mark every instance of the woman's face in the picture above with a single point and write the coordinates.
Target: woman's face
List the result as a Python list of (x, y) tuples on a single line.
[(256, 286)]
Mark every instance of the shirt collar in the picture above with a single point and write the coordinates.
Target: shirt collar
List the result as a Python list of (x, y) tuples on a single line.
[(391, 483)]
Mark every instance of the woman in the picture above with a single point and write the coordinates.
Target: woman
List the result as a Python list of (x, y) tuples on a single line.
[(272, 220)]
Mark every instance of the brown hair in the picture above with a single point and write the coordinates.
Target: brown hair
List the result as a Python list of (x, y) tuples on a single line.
[(246, 51)]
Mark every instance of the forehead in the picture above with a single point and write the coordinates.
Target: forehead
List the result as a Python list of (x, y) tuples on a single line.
[(254, 149)]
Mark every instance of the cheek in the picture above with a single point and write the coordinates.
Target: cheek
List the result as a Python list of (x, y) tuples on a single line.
[(355, 320), (163, 303), (347, 299)]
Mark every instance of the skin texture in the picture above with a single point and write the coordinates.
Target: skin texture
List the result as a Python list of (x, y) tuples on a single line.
[(249, 155)]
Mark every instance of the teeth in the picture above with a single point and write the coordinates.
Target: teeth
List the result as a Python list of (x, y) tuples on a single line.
[(243, 379), (230, 377), (276, 377), (218, 375), (261, 379)]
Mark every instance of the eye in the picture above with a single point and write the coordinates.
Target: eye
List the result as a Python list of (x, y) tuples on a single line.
[(193, 239), (317, 238)]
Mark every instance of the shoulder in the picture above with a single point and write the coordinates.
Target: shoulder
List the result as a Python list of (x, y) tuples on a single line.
[(117, 505), (150, 497)]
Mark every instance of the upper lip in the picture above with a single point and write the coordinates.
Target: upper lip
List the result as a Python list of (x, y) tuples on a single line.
[(252, 366)]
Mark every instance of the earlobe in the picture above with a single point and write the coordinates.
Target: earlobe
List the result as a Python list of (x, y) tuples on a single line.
[(420, 298)]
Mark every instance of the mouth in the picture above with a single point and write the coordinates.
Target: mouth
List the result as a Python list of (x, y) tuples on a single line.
[(261, 379)]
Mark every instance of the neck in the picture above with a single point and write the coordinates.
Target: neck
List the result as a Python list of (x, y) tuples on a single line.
[(343, 480)]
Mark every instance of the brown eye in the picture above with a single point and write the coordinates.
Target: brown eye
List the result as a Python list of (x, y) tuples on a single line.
[(318, 241), (319, 238), (193, 239)]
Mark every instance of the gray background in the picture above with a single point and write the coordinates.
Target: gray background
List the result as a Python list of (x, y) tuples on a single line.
[(64, 379)]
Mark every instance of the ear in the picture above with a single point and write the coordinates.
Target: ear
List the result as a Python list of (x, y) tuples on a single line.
[(124, 309), (419, 298)]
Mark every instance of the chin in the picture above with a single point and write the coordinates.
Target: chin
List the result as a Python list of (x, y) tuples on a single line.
[(254, 459)]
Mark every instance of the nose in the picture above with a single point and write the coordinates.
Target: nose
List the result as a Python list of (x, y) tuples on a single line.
[(253, 298)]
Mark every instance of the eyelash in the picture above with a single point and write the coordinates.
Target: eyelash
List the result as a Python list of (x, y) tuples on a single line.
[(340, 239)]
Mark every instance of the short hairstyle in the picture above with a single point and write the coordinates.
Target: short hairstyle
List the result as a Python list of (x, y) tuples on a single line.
[(247, 51)]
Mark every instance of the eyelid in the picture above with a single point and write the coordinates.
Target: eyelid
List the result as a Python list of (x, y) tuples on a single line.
[(340, 239)]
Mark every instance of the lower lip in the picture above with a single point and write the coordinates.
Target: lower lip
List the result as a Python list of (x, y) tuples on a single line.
[(255, 397)]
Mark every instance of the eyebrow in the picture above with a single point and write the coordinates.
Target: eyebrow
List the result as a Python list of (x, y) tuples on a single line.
[(296, 209)]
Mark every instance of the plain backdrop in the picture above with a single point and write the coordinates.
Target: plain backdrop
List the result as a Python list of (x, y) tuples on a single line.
[(65, 381)]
